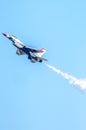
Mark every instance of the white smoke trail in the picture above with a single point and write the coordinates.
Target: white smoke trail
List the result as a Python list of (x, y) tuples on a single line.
[(81, 83)]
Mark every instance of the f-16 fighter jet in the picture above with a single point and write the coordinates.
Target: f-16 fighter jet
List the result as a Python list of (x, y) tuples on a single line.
[(33, 54)]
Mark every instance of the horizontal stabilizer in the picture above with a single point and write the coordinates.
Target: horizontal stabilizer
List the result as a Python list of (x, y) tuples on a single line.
[(42, 59)]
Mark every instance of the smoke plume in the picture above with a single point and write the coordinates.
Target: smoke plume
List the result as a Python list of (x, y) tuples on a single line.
[(80, 83)]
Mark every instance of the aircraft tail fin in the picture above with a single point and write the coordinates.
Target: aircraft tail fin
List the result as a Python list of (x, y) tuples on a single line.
[(41, 52)]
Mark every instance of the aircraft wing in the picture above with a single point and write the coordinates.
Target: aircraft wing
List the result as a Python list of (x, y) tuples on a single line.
[(19, 52)]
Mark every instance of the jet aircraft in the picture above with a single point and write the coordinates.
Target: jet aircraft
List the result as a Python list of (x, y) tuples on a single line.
[(33, 54)]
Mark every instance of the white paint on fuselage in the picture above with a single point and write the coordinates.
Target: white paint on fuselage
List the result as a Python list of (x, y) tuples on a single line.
[(17, 42)]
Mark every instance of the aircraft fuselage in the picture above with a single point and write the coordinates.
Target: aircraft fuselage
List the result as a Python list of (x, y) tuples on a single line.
[(22, 49)]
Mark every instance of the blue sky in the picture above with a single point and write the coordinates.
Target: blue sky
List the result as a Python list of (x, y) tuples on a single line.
[(33, 97)]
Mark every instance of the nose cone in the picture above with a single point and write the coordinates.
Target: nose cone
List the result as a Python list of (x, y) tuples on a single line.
[(5, 34)]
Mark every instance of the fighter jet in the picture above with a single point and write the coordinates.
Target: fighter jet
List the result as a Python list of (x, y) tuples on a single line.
[(34, 55)]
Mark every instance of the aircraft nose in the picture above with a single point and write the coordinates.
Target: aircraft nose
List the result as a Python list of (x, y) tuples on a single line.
[(5, 34)]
